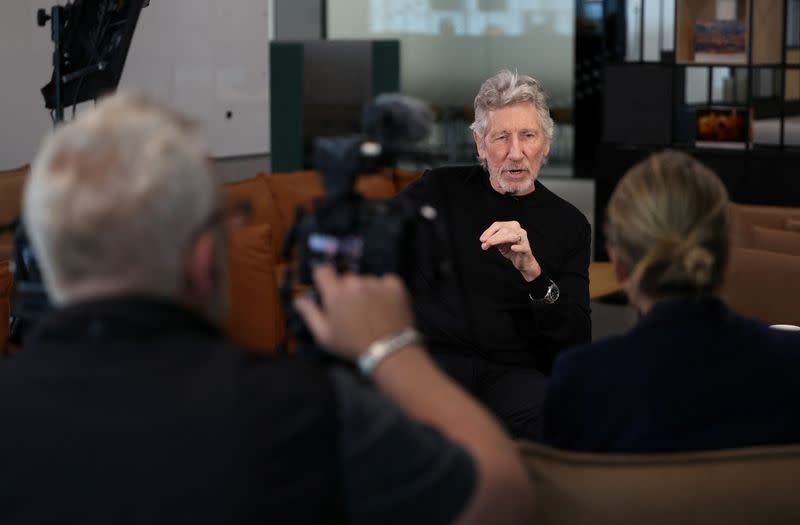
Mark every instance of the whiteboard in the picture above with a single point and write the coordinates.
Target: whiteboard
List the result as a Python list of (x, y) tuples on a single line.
[(203, 57), (209, 59)]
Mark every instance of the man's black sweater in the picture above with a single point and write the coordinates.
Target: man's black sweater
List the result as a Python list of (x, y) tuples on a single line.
[(485, 308)]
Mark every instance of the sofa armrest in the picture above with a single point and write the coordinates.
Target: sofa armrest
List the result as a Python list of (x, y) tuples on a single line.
[(254, 319)]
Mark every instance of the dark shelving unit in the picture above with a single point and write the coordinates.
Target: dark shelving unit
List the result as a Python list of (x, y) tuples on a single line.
[(649, 105)]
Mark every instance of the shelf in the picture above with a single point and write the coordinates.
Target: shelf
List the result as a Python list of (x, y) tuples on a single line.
[(670, 95), (763, 40), (726, 64)]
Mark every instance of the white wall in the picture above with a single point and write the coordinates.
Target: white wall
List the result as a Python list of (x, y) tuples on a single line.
[(208, 57), (203, 57), (25, 58)]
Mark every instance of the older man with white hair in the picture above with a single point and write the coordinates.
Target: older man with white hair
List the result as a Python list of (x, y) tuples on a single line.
[(126, 404), (521, 255)]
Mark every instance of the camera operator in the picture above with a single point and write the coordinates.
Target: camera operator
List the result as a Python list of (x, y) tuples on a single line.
[(127, 404)]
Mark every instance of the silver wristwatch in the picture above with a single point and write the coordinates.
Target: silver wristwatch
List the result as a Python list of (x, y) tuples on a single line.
[(550, 296), (383, 348)]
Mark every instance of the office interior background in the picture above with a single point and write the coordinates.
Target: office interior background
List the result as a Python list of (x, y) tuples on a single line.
[(615, 71)]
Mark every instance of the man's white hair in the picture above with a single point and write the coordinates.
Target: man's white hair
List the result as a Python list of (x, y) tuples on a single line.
[(507, 88), (114, 198)]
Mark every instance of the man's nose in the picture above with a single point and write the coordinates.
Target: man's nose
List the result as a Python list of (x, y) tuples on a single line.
[(515, 151)]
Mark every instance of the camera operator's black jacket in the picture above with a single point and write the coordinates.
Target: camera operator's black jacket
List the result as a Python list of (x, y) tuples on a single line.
[(135, 410), (484, 308)]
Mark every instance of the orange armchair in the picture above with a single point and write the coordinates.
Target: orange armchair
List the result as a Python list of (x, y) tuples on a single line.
[(257, 264)]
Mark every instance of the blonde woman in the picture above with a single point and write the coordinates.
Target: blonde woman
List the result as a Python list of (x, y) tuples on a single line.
[(692, 374)]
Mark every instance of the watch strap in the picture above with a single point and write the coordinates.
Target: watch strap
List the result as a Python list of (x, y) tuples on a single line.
[(383, 348)]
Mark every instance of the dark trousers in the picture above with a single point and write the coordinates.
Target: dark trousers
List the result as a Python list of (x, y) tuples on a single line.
[(513, 393)]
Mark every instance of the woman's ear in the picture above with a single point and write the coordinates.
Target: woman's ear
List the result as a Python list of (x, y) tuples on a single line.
[(621, 271)]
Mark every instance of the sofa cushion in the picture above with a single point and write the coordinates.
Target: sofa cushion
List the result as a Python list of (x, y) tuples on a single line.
[(792, 225), (254, 319), (256, 192), (745, 216), (764, 285), (288, 190), (748, 485), (12, 183), (781, 241), (403, 178), (376, 186)]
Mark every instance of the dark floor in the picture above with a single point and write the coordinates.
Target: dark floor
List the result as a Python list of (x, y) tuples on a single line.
[(611, 319)]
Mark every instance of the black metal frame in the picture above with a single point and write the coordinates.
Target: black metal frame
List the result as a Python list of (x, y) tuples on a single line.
[(99, 63)]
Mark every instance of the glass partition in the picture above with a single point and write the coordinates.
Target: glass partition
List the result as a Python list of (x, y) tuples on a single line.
[(448, 47)]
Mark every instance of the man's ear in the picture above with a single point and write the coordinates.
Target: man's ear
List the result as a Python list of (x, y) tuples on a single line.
[(479, 144), (200, 270), (621, 271)]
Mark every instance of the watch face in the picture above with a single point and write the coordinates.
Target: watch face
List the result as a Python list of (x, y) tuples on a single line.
[(553, 294), (550, 296)]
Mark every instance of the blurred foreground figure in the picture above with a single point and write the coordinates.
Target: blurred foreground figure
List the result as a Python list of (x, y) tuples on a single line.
[(692, 374), (126, 404)]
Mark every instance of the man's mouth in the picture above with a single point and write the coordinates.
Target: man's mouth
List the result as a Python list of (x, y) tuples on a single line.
[(516, 172)]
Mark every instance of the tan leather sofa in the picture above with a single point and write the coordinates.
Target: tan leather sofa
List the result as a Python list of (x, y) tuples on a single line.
[(738, 486), (763, 279), (764, 285), (745, 218)]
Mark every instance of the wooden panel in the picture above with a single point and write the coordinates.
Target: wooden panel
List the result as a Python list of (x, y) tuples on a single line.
[(767, 31), (792, 75), (792, 84), (602, 280)]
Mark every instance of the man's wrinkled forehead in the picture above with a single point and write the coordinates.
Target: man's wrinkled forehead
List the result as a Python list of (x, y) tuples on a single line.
[(499, 119)]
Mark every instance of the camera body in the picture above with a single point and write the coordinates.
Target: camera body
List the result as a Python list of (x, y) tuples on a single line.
[(358, 235)]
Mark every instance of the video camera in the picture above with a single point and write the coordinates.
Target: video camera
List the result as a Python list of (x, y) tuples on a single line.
[(359, 235)]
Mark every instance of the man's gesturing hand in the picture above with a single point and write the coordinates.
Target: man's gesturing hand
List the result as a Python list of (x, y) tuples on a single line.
[(512, 242), (356, 311)]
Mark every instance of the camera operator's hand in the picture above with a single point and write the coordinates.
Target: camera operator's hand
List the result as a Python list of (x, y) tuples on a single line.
[(356, 310)]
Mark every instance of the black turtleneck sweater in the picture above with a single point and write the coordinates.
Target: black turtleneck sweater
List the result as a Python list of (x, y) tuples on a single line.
[(484, 308)]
